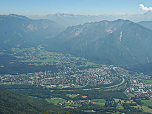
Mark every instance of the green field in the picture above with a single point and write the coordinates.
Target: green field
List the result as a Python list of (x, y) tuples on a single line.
[(59, 87), (98, 101), (55, 101), (86, 64), (76, 58), (120, 107), (42, 53), (40, 61), (69, 104), (131, 95), (89, 111), (72, 95), (90, 63), (19, 75), (69, 107), (41, 56), (66, 104), (123, 101), (147, 81), (146, 109), (76, 105), (117, 113), (77, 87), (143, 108), (147, 102)]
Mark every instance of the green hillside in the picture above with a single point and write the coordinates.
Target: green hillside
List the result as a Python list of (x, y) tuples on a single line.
[(13, 103), (119, 42)]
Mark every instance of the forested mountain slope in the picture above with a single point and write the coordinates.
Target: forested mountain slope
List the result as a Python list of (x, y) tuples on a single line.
[(117, 42)]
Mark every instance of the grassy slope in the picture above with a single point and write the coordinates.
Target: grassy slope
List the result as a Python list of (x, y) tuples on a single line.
[(13, 103)]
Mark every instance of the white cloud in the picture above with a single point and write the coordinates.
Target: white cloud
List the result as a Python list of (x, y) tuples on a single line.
[(27, 11), (142, 7)]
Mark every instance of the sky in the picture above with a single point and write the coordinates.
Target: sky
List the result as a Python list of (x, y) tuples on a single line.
[(82, 7)]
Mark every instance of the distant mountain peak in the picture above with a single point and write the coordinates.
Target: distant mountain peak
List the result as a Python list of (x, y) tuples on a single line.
[(17, 16), (61, 15)]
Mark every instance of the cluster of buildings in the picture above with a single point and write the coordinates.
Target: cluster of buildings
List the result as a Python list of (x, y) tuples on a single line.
[(139, 87), (73, 72), (63, 78)]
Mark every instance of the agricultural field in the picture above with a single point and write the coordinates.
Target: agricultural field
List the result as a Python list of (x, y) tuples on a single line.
[(89, 111), (147, 81), (147, 102), (123, 101), (143, 108), (131, 95), (72, 95), (39, 57), (55, 101), (64, 103), (78, 87), (98, 101), (146, 109)]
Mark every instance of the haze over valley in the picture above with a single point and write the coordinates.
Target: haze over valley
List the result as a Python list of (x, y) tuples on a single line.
[(82, 62)]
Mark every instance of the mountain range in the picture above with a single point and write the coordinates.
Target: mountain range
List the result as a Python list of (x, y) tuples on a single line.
[(17, 29), (73, 20), (119, 42)]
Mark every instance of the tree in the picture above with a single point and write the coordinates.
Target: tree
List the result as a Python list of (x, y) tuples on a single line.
[(119, 101)]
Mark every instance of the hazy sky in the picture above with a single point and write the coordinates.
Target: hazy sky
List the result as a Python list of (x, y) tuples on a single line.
[(85, 7)]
